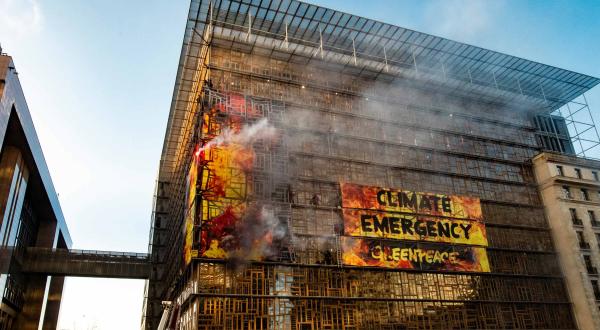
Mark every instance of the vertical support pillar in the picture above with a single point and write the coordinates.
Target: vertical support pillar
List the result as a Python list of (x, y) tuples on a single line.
[(54, 295), (210, 18), (53, 302), (286, 37), (414, 58), (39, 286), (321, 42), (495, 81), (29, 318), (386, 60), (354, 51), (249, 26), (444, 72)]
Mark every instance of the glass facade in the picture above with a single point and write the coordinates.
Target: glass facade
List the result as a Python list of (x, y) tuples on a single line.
[(274, 123)]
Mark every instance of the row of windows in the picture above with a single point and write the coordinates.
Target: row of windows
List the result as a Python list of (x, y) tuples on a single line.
[(582, 242), (583, 193), (561, 171), (577, 221)]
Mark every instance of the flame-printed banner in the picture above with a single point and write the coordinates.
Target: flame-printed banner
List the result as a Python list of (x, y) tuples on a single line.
[(413, 227), (393, 200), (232, 227), (190, 212), (411, 255), (224, 190)]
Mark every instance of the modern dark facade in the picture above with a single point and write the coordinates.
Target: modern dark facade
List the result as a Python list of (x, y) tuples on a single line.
[(30, 211), (286, 116), (553, 134)]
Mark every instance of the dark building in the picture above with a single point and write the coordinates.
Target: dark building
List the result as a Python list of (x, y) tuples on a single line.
[(30, 211), (317, 166), (553, 134)]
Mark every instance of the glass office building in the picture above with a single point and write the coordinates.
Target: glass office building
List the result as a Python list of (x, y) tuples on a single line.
[(322, 170)]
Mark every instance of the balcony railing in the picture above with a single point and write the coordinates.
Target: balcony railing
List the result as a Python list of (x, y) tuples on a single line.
[(584, 245), (577, 222), (595, 223), (592, 270)]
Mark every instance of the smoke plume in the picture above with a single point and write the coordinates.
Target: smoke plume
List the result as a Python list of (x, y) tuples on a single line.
[(260, 234), (247, 135)]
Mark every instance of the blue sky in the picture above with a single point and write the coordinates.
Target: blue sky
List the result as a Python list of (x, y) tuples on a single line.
[(98, 77)]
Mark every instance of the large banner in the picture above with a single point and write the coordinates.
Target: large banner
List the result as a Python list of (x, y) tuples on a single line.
[(412, 255), (234, 225), (190, 212), (369, 223), (403, 229), (405, 201)]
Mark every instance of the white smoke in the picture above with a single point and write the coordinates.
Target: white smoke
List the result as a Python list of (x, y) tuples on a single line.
[(249, 134)]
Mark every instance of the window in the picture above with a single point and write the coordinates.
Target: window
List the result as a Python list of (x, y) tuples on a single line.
[(581, 239), (573, 213), (598, 239), (584, 194), (595, 175), (596, 289), (578, 173), (566, 192), (574, 218), (592, 216), (588, 264), (560, 170)]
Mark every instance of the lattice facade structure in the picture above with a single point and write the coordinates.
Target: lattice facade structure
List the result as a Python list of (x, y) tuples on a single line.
[(333, 137), (347, 116)]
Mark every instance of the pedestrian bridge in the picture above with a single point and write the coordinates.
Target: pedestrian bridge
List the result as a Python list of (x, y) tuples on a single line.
[(86, 263)]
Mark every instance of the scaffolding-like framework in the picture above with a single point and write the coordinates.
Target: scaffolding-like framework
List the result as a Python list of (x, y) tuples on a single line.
[(582, 128)]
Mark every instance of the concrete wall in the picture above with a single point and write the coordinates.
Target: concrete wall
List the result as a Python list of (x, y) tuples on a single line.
[(578, 281)]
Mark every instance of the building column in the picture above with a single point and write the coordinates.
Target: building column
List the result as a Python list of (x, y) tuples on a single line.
[(53, 302), (39, 287)]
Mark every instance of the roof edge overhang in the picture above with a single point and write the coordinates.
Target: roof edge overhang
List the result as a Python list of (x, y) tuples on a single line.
[(476, 71)]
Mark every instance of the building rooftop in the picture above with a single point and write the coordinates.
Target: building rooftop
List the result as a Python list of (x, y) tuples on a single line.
[(291, 28), (308, 25)]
